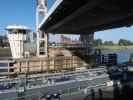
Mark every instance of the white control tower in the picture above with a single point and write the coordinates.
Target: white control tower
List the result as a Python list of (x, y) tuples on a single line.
[(17, 35)]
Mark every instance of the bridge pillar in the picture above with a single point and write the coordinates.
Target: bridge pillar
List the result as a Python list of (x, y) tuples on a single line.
[(86, 42), (42, 37), (46, 43), (42, 44)]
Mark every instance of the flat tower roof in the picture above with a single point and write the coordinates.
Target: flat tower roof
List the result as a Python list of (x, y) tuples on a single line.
[(18, 27)]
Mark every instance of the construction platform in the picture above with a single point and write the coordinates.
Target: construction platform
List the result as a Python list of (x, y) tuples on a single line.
[(58, 59)]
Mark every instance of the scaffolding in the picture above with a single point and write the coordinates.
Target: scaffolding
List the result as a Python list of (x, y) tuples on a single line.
[(50, 64)]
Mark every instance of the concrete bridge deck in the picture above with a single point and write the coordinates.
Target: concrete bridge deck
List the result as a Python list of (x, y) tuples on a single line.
[(70, 16)]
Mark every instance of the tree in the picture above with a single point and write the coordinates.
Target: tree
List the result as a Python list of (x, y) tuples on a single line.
[(97, 42), (124, 42), (3, 41), (108, 43)]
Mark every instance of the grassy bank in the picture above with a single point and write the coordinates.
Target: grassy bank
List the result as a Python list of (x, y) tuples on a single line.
[(5, 52), (114, 47)]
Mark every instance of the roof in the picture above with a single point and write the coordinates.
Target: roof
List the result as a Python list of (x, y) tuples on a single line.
[(18, 27)]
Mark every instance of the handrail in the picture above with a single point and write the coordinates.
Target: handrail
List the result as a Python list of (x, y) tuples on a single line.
[(50, 76)]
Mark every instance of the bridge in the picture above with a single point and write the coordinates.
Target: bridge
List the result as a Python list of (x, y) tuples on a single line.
[(86, 17), (70, 16)]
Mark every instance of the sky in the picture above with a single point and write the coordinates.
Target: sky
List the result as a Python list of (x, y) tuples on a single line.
[(22, 12), (19, 12), (116, 34)]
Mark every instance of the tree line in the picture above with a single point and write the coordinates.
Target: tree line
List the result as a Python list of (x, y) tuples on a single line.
[(121, 42), (4, 41)]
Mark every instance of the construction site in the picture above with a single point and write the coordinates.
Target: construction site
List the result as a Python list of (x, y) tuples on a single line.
[(42, 56), (70, 68), (67, 55)]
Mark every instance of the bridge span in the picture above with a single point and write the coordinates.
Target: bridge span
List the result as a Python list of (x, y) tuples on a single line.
[(85, 16)]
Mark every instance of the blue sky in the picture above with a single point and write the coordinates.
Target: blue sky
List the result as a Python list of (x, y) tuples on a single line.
[(116, 34), (22, 12)]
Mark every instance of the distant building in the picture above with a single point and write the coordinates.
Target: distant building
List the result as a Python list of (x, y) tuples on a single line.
[(67, 41)]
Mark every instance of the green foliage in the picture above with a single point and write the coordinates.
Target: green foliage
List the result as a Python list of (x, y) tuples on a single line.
[(121, 42), (124, 42), (4, 41), (108, 43), (97, 42)]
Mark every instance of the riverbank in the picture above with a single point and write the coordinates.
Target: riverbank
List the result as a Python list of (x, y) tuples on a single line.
[(5, 52), (114, 47)]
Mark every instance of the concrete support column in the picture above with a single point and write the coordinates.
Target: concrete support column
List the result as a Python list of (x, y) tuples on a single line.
[(86, 42), (42, 37), (42, 42), (37, 40), (46, 43), (37, 32)]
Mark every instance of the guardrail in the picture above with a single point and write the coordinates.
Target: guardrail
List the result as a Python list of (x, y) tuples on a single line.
[(69, 92), (6, 66), (89, 72)]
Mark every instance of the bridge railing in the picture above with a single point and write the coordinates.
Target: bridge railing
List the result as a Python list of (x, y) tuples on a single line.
[(27, 79)]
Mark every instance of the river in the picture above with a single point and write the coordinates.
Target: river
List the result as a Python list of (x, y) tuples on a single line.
[(123, 55)]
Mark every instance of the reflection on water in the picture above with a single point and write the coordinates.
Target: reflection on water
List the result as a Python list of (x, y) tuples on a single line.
[(123, 55)]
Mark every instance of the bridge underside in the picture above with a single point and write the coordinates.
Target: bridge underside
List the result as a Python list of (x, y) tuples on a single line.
[(85, 16)]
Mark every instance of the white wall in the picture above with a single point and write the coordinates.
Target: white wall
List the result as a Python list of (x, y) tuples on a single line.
[(17, 44)]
